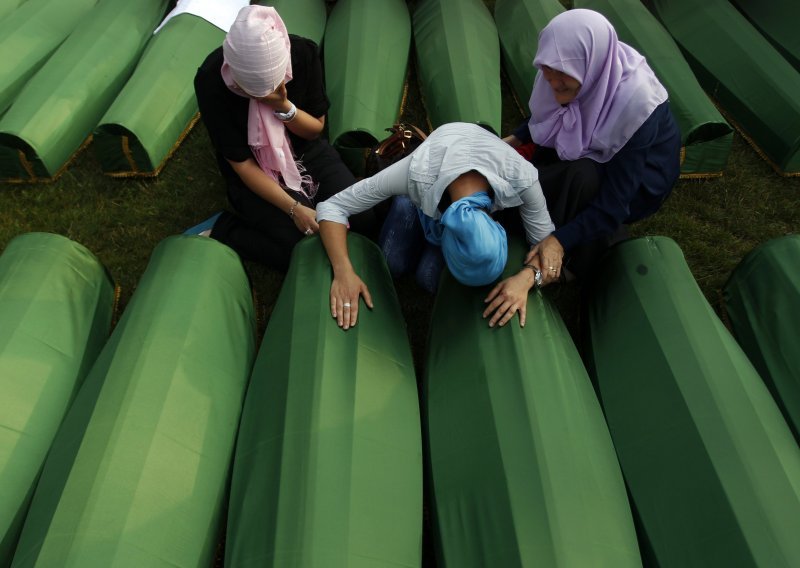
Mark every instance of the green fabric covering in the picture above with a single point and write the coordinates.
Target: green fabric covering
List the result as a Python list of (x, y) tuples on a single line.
[(522, 468), (753, 84), (518, 24), (328, 466), (30, 35), (458, 62), (777, 20), (8, 6), (366, 57), (137, 475), (56, 303), (711, 467), (157, 105), (305, 18), (762, 301), (707, 137), (60, 105), (706, 158)]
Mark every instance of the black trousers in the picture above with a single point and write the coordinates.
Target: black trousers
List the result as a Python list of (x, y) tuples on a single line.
[(568, 187), (259, 231)]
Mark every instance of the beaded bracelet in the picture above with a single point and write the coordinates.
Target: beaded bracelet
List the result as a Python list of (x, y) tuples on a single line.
[(287, 116), (291, 209)]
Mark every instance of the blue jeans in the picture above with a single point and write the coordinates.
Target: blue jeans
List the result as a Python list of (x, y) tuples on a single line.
[(405, 248)]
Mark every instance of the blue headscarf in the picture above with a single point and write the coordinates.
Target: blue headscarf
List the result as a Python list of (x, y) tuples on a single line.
[(474, 246)]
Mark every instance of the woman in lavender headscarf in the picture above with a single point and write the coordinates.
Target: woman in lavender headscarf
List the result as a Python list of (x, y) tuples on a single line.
[(603, 139), (262, 98)]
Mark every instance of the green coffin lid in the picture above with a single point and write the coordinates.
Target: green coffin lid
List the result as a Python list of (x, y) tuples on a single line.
[(328, 466), (711, 467), (366, 57), (305, 18), (29, 35), (157, 106), (56, 303), (762, 303), (458, 62), (777, 20), (60, 105), (8, 6), (522, 471), (706, 136), (752, 83), (138, 473), (518, 25)]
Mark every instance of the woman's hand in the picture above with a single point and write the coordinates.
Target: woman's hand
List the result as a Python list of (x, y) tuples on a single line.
[(277, 99), (305, 219), (548, 254), (346, 288), (508, 297)]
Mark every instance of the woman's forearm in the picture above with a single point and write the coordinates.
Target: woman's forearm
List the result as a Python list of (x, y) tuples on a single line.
[(305, 126), (334, 238), (262, 185)]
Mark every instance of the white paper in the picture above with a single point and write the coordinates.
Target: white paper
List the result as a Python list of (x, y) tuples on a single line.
[(220, 13)]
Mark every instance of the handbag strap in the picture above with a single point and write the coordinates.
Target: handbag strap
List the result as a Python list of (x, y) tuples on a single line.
[(400, 134)]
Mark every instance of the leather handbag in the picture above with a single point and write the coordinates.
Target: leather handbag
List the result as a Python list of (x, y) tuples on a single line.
[(402, 140)]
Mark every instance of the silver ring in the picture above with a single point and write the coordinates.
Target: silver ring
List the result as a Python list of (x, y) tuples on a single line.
[(309, 231), (346, 305)]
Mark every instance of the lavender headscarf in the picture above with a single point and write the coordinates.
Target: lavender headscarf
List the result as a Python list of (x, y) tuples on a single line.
[(618, 90)]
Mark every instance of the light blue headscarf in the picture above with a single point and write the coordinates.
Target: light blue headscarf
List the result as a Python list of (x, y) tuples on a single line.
[(474, 246)]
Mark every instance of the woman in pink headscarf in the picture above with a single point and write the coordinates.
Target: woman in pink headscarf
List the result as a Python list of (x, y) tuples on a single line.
[(601, 135), (263, 101)]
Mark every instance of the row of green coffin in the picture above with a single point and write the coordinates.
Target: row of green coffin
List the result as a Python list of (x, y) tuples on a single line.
[(367, 45), (328, 464)]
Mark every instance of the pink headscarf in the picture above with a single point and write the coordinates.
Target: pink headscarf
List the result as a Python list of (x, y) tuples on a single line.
[(257, 58), (618, 90)]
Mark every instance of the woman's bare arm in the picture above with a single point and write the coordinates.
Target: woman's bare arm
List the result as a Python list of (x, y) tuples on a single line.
[(303, 124), (346, 287), (268, 189)]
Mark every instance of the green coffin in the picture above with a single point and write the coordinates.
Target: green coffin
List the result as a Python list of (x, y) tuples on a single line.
[(705, 135), (29, 35), (777, 20), (157, 106), (137, 475), (711, 467), (328, 466), (755, 86), (60, 106), (56, 303), (305, 18), (366, 57), (522, 470), (518, 25), (8, 6), (762, 302), (458, 62)]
